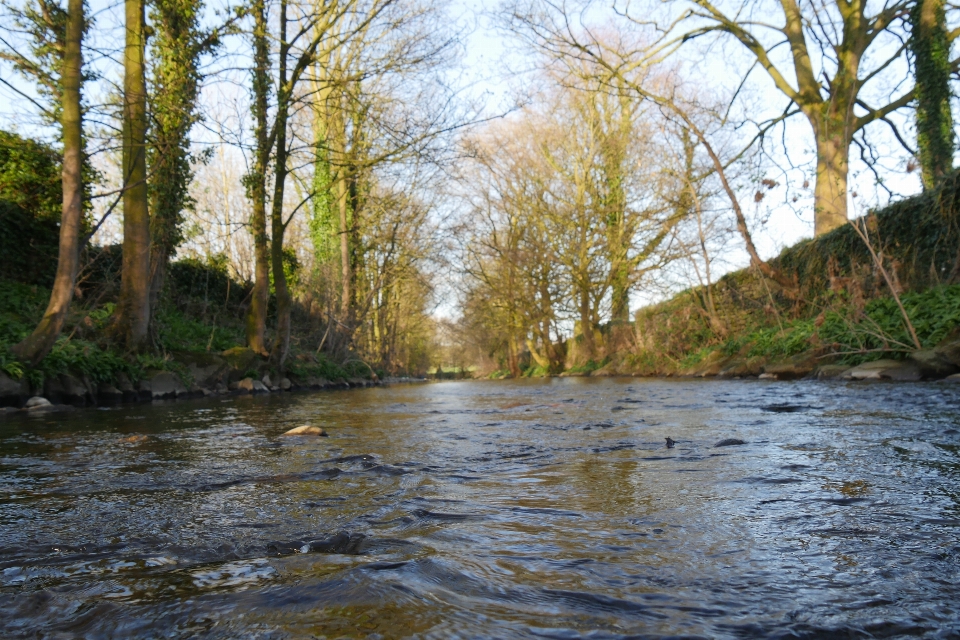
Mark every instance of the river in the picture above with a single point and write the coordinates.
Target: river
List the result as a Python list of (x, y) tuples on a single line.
[(476, 509)]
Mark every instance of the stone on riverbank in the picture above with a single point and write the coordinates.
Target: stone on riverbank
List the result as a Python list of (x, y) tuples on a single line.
[(65, 389), (306, 430), (11, 391), (742, 368), (884, 370), (37, 401), (932, 364), (108, 395), (830, 371), (166, 386), (249, 385), (797, 367)]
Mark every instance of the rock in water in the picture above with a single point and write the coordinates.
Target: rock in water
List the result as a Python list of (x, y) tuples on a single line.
[(670, 443), (306, 430), (37, 401), (729, 442)]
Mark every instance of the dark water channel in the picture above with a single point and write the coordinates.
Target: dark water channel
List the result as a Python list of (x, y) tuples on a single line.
[(481, 509)]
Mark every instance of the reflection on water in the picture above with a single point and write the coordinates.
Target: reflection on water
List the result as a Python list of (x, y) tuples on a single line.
[(479, 509)]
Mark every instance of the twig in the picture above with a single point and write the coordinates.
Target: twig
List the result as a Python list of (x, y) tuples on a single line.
[(878, 260)]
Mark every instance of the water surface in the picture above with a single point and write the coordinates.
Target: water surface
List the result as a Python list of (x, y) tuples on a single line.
[(521, 509)]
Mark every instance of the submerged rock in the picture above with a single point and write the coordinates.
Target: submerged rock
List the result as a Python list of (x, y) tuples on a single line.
[(729, 442), (343, 542), (306, 430)]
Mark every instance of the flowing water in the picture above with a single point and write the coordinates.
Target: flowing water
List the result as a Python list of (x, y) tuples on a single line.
[(545, 509)]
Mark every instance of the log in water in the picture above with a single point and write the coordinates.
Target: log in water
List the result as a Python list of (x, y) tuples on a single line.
[(490, 509)]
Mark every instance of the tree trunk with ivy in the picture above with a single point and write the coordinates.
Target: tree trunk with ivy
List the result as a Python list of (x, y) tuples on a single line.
[(176, 49), (132, 319), (256, 183), (930, 46), (281, 345), (35, 346)]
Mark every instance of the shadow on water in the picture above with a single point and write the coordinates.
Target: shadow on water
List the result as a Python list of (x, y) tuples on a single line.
[(535, 508)]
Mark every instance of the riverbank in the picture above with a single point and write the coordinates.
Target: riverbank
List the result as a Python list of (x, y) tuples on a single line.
[(211, 375), (829, 313), (196, 329)]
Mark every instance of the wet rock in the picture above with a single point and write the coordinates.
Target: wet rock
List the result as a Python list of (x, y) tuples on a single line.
[(742, 368), (65, 389), (932, 364), (37, 401), (306, 430), (165, 385), (38, 404), (108, 395), (130, 394), (317, 383), (883, 370), (285, 384), (829, 371), (730, 442), (249, 385), (949, 350), (710, 366), (342, 542), (671, 443), (206, 369), (10, 391), (795, 368)]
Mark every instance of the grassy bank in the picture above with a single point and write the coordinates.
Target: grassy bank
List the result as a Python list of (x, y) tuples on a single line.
[(200, 320), (832, 304)]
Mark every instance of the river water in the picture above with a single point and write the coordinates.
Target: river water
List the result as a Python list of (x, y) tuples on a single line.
[(544, 508)]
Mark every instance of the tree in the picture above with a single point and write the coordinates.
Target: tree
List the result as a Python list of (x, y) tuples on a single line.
[(67, 29), (132, 316), (176, 47), (256, 180), (930, 45), (844, 32)]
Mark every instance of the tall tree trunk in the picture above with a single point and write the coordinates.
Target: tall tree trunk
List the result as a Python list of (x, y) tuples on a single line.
[(282, 344), (346, 272), (586, 325), (833, 158), (256, 184), (133, 307), (35, 346), (931, 59), (176, 49)]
